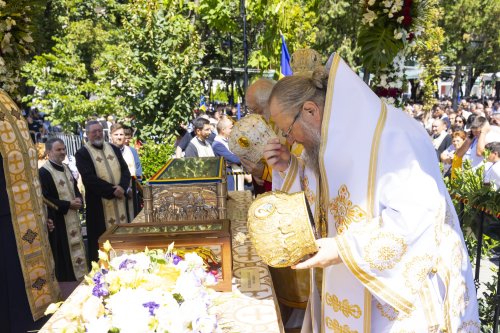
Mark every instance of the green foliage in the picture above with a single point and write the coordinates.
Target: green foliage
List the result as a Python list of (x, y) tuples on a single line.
[(154, 155), (378, 46), (487, 304), (472, 36), (294, 18), (157, 71), (468, 185), (138, 59), (338, 23), (16, 40), (427, 50)]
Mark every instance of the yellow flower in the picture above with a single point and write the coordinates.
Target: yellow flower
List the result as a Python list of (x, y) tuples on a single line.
[(169, 275), (103, 255), (107, 246)]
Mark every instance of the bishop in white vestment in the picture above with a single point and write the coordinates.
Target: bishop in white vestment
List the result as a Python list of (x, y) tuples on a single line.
[(390, 243)]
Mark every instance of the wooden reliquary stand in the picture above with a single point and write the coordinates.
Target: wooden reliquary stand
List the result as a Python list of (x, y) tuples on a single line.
[(185, 203)]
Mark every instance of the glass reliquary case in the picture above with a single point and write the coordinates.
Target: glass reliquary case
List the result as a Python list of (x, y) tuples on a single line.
[(210, 239), (187, 189)]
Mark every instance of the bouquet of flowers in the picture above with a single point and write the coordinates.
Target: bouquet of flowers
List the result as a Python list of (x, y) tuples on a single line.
[(150, 291), (388, 30)]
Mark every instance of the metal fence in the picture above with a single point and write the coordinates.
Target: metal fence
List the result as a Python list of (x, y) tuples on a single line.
[(73, 142)]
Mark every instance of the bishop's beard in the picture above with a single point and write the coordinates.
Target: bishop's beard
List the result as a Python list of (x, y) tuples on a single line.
[(311, 150)]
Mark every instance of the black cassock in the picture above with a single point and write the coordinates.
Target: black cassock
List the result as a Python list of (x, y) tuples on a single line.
[(58, 238), (95, 190), (15, 313)]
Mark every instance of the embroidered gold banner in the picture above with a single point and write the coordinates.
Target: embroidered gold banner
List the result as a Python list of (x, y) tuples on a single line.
[(26, 207)]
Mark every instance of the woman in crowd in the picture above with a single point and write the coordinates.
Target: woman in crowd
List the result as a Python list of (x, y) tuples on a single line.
[(470, 150), (450, 160), (459, 123)]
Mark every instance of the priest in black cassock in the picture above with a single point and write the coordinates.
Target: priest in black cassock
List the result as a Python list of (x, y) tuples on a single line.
[(60, 189), (107, 185), (27, 281)]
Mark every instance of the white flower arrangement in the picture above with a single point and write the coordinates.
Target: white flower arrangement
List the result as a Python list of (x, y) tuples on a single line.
[(151, 291), (405, 18)]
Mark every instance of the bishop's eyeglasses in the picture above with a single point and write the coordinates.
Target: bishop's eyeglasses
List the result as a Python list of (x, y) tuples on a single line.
[(287, 133)]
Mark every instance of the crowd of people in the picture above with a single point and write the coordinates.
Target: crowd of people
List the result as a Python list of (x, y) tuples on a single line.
[(470, 135)]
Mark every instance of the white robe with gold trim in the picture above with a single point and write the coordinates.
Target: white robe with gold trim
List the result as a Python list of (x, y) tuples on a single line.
[(404, 265)]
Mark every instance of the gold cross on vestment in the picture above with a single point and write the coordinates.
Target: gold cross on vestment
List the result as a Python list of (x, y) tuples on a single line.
[(110, 157), (16, 159), (62, 182), (98, 159), (21, 193), (6, 133)]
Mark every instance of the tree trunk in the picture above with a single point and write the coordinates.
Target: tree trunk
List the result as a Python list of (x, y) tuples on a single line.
[(413, 88), (471, 78), (456, 86)]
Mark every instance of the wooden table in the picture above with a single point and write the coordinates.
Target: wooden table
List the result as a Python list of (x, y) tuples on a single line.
[(252, 305)]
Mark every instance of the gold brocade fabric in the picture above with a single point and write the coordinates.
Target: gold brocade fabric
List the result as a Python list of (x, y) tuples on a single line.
[(26, 208), (280, 228), (108, 168), (65, 191), (249, 137)]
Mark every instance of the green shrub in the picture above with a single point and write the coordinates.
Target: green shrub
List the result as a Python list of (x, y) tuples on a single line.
[(154, 155)]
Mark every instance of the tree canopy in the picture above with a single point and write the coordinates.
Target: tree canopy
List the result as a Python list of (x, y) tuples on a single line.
[(152, 60)]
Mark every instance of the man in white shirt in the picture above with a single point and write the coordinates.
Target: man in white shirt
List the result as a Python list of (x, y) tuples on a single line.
[(199, 147), (492, 169), (493, 134)]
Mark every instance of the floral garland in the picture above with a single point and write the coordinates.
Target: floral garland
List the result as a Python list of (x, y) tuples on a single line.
[(150, 291), (401, 21)]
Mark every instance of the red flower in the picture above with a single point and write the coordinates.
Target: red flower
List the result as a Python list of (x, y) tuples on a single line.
[(407, 21), (390, 92), (381, 91), (394, 92), (410, 37)]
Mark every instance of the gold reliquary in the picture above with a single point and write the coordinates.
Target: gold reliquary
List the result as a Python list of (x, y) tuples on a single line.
[(187, 189), (184, 203)]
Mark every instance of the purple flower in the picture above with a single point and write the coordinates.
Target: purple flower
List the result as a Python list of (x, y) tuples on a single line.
[(127, 264), (100, 290), (97, 278), (176, 259), (152, 306)]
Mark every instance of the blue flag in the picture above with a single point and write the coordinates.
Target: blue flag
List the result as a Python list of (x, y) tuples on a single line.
[(285, 69), (238, 113), (203, 105)]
